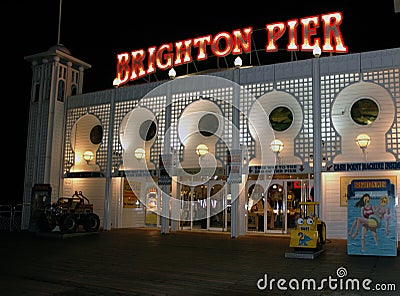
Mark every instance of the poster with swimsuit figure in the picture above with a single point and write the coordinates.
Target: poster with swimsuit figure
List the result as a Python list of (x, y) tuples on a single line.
[(371, 218)]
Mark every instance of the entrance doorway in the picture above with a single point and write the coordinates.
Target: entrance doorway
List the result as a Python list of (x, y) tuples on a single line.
[(272, 208), (204, 206)]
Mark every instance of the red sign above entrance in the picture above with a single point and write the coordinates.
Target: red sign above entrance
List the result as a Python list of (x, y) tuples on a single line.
[(139, 63)]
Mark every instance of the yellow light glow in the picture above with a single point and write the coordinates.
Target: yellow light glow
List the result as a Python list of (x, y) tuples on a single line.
[(201, 149), (140, 153), (276, 146), (363, 141), (88, 156)]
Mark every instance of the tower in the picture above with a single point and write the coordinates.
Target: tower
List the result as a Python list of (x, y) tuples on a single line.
[(56, 75)]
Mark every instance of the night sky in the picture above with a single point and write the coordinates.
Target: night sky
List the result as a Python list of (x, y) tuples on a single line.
[(96, 31)]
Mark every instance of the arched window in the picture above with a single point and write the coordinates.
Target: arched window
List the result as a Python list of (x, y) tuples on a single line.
[(61, 90), (74, 90)]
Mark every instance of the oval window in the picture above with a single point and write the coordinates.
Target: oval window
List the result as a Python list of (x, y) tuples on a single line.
[(148, 130), (96, 134), (208, 125), (281, 118), (364, 111)]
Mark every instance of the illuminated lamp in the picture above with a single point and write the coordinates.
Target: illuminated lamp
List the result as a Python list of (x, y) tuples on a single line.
[(140, 153), (317, 51), (363, 141), (88, 156), (116, 82), (276, 146), (238, 62), (172, 73), (201, 150)]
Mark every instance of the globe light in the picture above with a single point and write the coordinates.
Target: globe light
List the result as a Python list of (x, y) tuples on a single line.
[(363, 141), (201, 149), (276, 146), (172, 73), (140, 153), (317, 51), (238, 62), (88, 156)]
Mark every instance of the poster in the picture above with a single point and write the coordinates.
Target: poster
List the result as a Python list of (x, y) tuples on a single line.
[(371, 218), (151, 206), (345, 181)]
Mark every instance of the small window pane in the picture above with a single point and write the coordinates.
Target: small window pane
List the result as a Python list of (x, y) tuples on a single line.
[(364, 111)]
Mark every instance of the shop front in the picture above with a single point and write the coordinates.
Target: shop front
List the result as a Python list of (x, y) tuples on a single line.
[(271, 207), (205, 207), (287, 132)]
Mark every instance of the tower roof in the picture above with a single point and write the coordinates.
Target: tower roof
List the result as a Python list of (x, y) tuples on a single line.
[(57, 50), (59, 47)]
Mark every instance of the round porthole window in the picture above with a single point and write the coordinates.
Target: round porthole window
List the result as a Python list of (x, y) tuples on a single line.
[(96, 134), (148, 130), (281, 118), (208, 125), (364, 111)]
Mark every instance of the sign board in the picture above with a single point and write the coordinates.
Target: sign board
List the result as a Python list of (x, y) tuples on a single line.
[(371, 218), (141, 62), (277, 169), (365, 166), (138, 173)]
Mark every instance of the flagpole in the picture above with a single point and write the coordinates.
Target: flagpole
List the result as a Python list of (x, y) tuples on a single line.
[(59, 23)]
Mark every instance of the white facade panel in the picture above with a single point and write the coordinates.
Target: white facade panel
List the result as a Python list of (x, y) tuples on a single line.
[(337, 85), (116, 196), (340, 64), (92, 188), (380, 59), (132, 217)]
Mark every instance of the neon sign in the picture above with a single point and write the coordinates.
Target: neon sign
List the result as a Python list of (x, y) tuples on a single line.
[(139, 63)]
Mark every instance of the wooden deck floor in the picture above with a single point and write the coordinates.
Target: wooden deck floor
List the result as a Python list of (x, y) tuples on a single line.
[(145, 262)]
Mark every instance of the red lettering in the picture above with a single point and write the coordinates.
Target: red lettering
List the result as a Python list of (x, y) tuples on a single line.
[(242, 42), (168, 57), (292, 44), (310, 25), (332, 31), (183, 48), (123, 69), (201, 43), (151, 60), (137, 68), (274, 32), (131, 66), (215, 46)]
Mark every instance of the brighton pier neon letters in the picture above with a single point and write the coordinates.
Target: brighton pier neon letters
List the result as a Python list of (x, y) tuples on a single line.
[(139, 63)]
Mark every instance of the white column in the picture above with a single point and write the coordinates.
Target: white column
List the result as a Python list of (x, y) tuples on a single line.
[(175, 205), (50, 123), (317, 129), (108, 189), (235, 204), (165, 214)]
